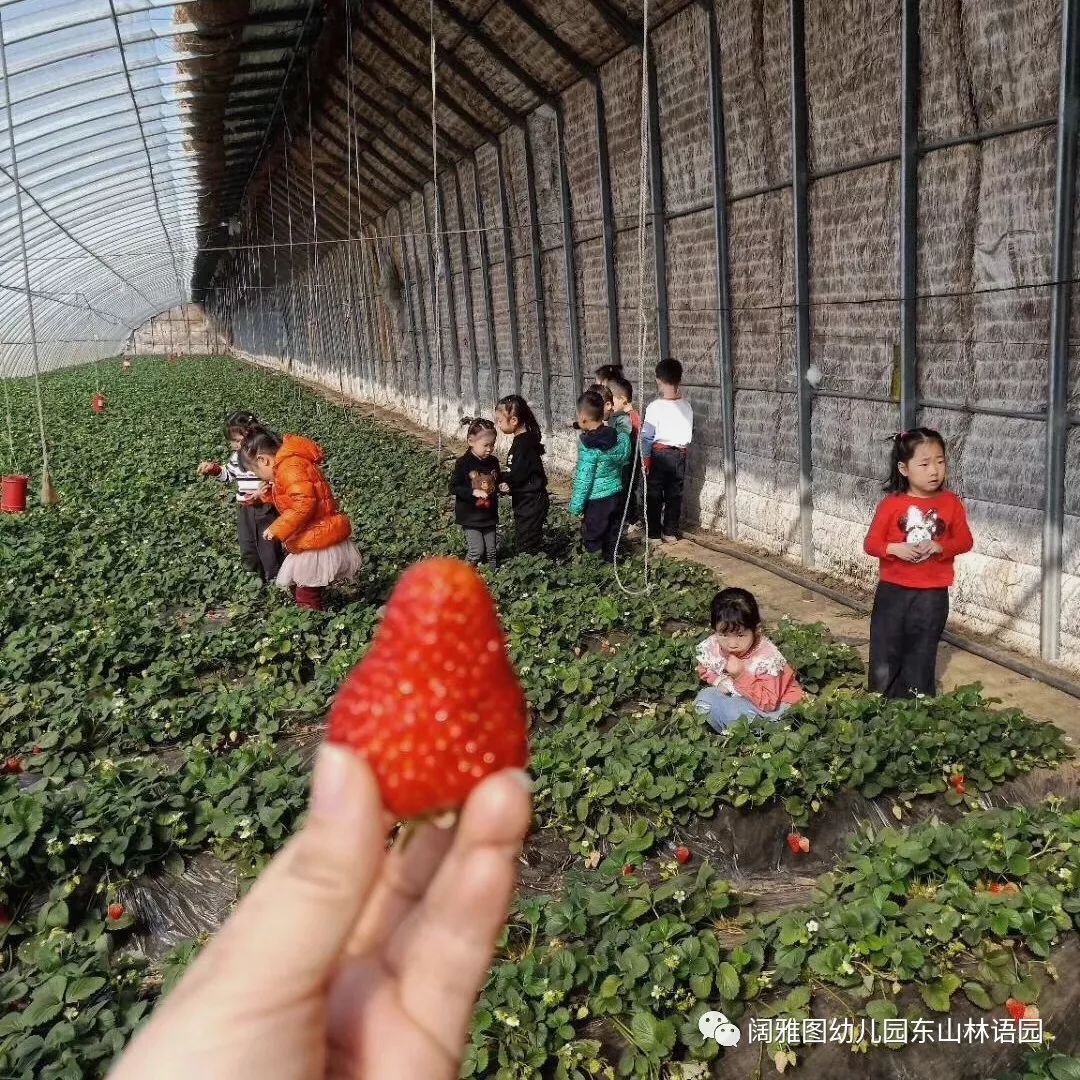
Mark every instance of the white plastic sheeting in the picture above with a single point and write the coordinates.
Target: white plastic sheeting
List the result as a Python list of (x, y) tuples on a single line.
[(108, 184)]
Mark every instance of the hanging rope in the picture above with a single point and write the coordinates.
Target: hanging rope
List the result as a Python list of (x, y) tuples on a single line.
[(48, 492), (438, 225), (643, 184)]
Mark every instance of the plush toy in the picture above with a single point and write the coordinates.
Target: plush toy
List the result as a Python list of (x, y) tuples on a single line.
[(483, 487)]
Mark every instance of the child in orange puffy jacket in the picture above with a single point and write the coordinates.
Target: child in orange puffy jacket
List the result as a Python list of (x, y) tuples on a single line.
[(315, 533)]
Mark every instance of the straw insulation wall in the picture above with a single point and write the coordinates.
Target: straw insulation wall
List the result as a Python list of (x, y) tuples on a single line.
[(984, 239)]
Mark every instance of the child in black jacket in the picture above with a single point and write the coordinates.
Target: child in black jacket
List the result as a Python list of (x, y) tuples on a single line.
[(526, 480), (475, 485)]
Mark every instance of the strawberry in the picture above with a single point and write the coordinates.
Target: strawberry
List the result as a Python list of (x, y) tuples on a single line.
[(1031, 1013), (956, 782), (116, 912), (682, 855), (795, 843), (1016, 1008), (13, 766), (628, 869), (1010, 887), (996, 888), (434, 706)]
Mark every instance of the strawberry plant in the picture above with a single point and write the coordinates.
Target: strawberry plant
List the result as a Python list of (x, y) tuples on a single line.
[(153, 696)]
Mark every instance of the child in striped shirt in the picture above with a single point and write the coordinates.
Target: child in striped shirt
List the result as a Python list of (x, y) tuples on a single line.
[(253, 518)]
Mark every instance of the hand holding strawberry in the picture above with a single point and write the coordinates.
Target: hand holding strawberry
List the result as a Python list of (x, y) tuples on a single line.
[(345, 958)]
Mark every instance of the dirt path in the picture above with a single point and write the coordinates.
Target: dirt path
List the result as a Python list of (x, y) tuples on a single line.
[(780, 596)]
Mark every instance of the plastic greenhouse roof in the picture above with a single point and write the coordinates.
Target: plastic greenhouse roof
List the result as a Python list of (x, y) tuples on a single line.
[(110, 198)]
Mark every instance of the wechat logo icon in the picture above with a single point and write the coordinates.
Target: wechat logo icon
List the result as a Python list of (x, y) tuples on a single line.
[(715, 1025)]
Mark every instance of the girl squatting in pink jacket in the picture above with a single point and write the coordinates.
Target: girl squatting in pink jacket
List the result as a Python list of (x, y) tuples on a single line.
[(747, 675)]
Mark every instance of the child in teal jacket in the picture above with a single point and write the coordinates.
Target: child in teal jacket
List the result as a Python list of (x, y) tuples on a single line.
[(598, 484)]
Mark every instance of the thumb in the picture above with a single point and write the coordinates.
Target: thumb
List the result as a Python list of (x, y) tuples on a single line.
[(289, 931)]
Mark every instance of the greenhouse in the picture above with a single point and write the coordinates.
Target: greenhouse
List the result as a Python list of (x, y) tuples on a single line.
[(539, 539)]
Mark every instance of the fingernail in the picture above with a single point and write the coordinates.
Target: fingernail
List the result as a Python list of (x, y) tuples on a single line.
[(521, 777), (330, 782)]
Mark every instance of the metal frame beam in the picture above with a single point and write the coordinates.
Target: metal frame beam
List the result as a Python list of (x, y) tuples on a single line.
[(419, 277), (451, 296), (466, 281), (909, 212), (421, 79), (725, 372), (407, 105), (801, 235), (453, 64), (539, 305), (570, 269), (508, 272), (489, 303), (617, 21), (608, 224), (659, 223), (478, 34), (1057, 383), (546, 34)]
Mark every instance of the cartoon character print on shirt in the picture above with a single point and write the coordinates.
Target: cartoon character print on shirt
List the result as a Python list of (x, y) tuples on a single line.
[(920, 528)]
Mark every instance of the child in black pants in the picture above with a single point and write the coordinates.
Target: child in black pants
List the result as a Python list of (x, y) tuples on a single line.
[(597, 495), (476, 496), (525, 479), (666, 432)]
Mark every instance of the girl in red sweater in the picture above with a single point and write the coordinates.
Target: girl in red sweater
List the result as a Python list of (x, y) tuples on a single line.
[(918, 530)]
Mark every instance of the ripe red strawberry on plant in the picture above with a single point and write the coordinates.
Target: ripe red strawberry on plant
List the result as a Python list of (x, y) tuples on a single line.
[(1016, 1008), (682, 855), (434, 706), (13, 766), (116, 912), (798, 844), (628, 869), (956, 782)]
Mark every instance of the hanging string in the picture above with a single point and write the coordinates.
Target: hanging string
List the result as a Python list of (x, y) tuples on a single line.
[(48, 494), (643, 184), (438, 223)]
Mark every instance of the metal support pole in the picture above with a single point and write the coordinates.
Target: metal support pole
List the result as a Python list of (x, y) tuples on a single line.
[(485, 270), (725, 372), (572, 322), (608, 217), (909, 212), (418, 277), (466, 281), (659, 223), (1057, 384), (801, 231), (539, 306), (509, 276), (451, 296), (429, 239), (25, 258)]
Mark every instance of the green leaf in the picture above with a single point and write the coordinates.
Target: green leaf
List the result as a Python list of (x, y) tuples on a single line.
[(879, 1009), (1064, 1068), (643, 1028), (82, 988), (727, 981), (977, 995)]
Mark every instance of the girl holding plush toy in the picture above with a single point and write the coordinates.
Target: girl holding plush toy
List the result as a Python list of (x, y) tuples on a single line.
[(917, 532), (475, 486)]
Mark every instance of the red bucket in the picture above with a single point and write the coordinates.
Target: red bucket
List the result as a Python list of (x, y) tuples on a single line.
[(13, 500)]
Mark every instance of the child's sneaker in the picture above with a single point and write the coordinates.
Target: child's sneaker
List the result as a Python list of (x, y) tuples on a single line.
[(666, 539)]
